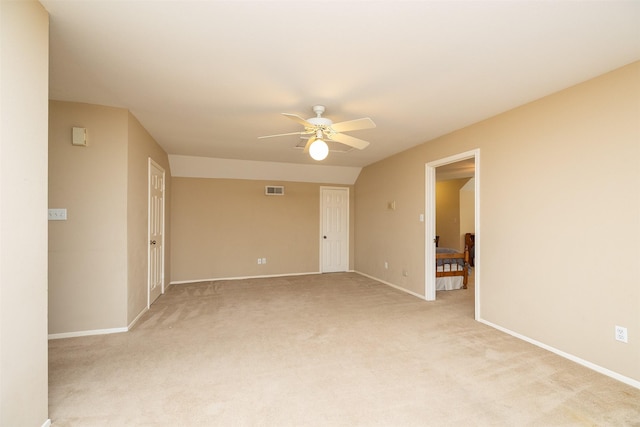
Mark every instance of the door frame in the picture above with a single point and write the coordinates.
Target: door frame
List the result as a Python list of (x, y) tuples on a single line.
[(430, 225), (347, 253), (151, 164)]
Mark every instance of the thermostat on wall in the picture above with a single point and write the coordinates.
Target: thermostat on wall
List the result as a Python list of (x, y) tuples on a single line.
[(79, 137)]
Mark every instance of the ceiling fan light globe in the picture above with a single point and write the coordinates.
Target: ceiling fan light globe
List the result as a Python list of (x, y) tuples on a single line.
[(319, 150)]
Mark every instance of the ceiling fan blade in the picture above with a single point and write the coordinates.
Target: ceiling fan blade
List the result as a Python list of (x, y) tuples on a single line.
[(357, 124), (283, 134), (308, 144), (298, 119), (349, 140)]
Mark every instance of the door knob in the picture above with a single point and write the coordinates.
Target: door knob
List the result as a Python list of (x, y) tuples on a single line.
[(324, 237)]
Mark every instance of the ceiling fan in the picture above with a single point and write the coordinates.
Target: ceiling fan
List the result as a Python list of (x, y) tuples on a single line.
[(320, 129)]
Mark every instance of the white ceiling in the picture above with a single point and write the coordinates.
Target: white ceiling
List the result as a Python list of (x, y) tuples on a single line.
[(206, 78)]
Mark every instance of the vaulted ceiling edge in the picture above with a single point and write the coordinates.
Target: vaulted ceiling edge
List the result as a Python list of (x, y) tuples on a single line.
[(207, 167)]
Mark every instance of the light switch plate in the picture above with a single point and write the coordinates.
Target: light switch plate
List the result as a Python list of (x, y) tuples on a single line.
[(57, 214)]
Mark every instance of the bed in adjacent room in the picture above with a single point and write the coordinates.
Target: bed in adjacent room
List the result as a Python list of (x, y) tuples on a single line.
[(452, 269)]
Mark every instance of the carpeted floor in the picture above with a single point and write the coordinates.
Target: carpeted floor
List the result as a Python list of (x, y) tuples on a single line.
[(322, 350)]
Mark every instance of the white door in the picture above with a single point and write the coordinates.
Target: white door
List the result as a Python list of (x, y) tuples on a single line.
[(156, 232), (334, 240), (430, 225)]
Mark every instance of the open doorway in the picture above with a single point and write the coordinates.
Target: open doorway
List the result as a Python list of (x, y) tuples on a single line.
[(451, 165)]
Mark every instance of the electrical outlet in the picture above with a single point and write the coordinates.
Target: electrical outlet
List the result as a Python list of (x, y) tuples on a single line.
[(386, 265), (621, 333), (57, 214), (259, 260), (264, 260)]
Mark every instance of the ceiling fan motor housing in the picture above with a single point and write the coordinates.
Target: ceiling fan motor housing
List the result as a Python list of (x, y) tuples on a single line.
[(320, 121)]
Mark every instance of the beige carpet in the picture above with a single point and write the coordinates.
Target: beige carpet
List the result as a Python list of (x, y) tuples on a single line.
[(322, 350)]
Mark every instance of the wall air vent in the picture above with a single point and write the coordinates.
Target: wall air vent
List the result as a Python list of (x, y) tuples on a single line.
[(274, 190)]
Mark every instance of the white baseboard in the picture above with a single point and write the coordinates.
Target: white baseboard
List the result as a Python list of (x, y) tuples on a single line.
[(119, 330), (87, 333), (586, 363), (391, 284), (47, 423), (134, 321), (216, 279)]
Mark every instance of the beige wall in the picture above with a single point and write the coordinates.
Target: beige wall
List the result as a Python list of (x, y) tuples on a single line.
[(24, 56), (220, 227), (467, 210), (88, 252), (97, 258), (559, 210), (141, 147), (448, 212), (385, 235)]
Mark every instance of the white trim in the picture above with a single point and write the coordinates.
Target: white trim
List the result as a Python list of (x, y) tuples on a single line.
[(585, 363), (430, 232), (392, 285), (430, 224), (182, 282), (47, 423), (477, 242), (134, 321), (87, 333), (346, 254)]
